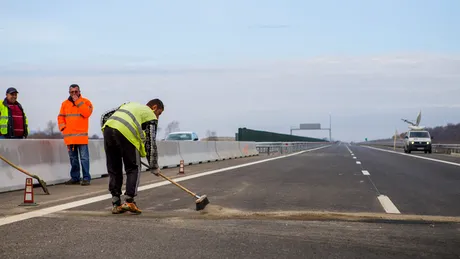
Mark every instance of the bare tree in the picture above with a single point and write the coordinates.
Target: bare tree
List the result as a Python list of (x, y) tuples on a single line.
[(211, 134), (172, 126), (50, 127)]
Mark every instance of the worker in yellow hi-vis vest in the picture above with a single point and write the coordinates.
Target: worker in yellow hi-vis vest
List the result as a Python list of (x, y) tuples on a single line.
[(130, 133)]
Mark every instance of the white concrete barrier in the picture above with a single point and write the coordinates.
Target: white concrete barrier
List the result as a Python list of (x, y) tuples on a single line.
[(228, 149), (248, 148), (197, 152), (46, 158), (49, 159), (169, 154)]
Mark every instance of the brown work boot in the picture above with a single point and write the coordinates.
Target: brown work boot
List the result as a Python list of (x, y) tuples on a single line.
[(71, 182), (85, 182), (131, 207), (117, 209)]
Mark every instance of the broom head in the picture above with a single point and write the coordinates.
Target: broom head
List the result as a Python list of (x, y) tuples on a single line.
[(202, 202)]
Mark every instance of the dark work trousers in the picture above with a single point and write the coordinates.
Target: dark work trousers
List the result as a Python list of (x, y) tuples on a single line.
[(119, 151)]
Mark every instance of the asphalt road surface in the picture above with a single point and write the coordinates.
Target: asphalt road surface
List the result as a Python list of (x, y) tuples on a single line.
[(334, 202)]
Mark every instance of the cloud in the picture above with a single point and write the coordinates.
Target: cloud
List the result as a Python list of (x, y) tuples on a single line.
[(367, 95)]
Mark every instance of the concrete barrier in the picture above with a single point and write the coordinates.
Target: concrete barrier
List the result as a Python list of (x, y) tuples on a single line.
[(228, 149), (197, 152), (169, 154), (47, 158), (248, 148)]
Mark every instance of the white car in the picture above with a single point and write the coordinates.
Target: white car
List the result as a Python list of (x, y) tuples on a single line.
[(417, 140), (182, 136)]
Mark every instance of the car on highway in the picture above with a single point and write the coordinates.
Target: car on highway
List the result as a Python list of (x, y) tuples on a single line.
[(417, 140), (182, 136)]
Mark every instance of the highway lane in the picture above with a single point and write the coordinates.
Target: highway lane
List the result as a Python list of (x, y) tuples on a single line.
[(438, 156), (414, 185), (327, 179)]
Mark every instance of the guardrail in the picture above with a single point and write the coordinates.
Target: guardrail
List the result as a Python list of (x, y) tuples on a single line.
[(48, 158), (437, 148), (286, 147)]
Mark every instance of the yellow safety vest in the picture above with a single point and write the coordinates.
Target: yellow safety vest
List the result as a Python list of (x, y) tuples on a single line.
[(6, 120), (128, 119)]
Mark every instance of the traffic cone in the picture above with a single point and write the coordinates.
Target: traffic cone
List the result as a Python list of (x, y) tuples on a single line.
[(29, 194), (181, 168)]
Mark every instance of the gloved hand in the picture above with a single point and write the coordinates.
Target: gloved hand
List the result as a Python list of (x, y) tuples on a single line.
[(155, 171)]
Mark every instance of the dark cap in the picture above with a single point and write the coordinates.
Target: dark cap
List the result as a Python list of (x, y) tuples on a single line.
[(11, 90)]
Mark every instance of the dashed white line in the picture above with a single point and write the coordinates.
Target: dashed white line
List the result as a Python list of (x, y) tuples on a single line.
[(388, 205), (65, 206), (365, 172), (358, 162), (354, 157)]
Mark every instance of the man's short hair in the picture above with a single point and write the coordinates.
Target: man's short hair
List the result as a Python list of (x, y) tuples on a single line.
[(156, 102), (74, 85)]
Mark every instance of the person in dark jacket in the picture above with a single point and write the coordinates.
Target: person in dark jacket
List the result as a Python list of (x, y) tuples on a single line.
[(13, 120)]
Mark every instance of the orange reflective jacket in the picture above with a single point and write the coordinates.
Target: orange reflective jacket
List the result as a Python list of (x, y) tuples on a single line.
[(73, 120)]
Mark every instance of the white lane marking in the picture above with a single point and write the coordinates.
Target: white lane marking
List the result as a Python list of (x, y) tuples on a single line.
[(46, 211), (365, 172), (357, 162), (354, 157), (388, 205), (421, 157)]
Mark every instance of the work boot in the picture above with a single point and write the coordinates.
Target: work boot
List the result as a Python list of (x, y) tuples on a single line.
[(85, 182), (131, 207), (71, 182), (117, 209), (116, 203)]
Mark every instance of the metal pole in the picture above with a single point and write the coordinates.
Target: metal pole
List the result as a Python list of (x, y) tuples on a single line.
[(330, 128)]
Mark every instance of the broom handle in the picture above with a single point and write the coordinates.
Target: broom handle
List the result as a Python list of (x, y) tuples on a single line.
[(178, 185), (18, 168)]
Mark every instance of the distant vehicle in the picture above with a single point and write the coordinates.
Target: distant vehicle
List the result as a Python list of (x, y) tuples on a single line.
[(417, 140), (182, 136)]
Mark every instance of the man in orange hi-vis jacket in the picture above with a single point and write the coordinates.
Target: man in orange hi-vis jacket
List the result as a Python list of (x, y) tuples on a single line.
[(73, 122)]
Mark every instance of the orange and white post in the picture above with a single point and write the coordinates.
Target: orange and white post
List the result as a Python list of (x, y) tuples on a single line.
[(181, 168), (29, 193)]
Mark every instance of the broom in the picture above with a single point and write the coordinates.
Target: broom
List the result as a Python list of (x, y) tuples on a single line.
[(40, 181), (201, 201)]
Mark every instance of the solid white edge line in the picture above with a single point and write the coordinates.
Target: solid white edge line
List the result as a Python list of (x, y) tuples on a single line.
[(426, 158), (365, 172), (65, 206), (388, 205)]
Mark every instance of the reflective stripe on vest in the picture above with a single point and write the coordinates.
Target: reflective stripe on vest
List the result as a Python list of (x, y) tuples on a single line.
[(128, 120), (3, 119), (125, 123), (71, 115), (76, 135), (4, 110), (139, 128)]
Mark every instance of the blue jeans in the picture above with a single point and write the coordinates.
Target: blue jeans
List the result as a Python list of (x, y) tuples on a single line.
[(75, 163)]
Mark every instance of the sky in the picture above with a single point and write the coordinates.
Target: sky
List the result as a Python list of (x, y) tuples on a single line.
[(220, 65)]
